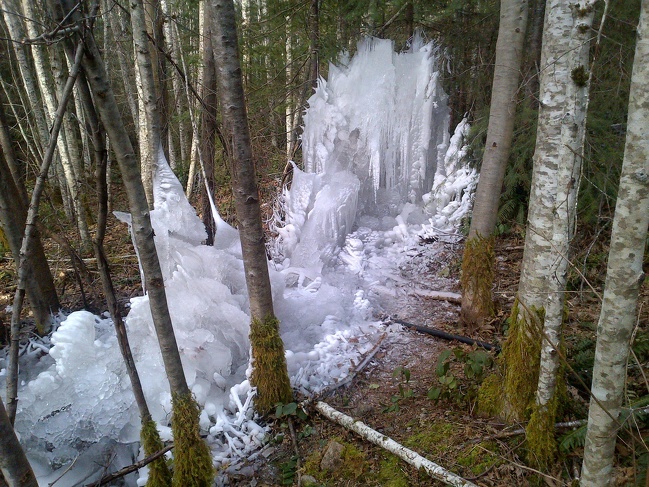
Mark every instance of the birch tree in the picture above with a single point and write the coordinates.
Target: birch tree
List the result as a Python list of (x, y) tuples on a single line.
[(624, 277), (269, 375), (531, 352), (478, 260), (149, 123)]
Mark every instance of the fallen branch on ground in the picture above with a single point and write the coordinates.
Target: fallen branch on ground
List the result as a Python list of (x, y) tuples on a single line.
[(131, 468), (448, 336), (411, 457)]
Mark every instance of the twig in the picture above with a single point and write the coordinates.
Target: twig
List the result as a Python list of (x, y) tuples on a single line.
[(358, 369), (131, 468), (520, 465), (448, 336), (297, 452), (64, 472)]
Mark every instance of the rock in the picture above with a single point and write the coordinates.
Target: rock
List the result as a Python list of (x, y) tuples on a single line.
[(308, 481), (332, 456)]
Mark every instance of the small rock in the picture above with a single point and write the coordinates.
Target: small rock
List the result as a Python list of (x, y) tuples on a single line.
[(332, 456), (308, 481)]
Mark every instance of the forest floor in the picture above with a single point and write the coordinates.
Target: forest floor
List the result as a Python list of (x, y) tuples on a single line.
[(391, 393)]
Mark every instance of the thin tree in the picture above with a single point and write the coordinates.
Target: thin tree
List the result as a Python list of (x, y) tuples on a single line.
[(14, 465), (624, 277), (269, 375), (192, 461), (478, 260)]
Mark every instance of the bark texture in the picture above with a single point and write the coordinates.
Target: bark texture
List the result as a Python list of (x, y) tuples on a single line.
[(624, 276), (476, 290), (149, 127), (13, 463), (555, 180), (270, 375)]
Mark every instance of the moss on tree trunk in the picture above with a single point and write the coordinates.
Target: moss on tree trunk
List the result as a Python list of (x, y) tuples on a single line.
[(477, 280)]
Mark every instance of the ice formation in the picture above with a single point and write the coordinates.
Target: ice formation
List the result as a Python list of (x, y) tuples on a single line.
[(379, 171)]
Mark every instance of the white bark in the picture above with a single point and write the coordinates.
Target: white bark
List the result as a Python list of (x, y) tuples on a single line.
[(624, 276), (409, 456), (555, 179), (69, 152), (148, 108)]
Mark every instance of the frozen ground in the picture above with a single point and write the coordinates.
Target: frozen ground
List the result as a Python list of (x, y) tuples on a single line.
[(381, 172)]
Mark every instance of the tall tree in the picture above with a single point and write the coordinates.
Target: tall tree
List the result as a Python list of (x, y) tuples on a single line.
[(624, 276), (269, 375), (150, 131), (192, 462), (479, 260), (536, 319)]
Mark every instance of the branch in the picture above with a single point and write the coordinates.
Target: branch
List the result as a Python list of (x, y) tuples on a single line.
[(131, 468), (409, 456)]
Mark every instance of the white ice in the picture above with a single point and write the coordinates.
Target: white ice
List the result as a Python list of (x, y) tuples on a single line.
[(380, 171)]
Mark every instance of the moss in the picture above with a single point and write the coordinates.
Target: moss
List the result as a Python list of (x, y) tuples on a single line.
[(520, 359), (490, 398), (478, 459), (434, 439), (354, 464), (541, 443), (391, 473), (159, 474), (269, 374), (477, 280), (580, 76), (192, 457)]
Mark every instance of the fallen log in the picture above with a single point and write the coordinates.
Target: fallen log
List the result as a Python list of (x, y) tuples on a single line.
[(409, 456), (448, 336)]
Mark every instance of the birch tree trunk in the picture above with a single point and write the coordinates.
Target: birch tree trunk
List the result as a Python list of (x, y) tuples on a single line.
[(551, 223), (624, 276), (479, 260), (270, 375), (69, 154), (149, 115)]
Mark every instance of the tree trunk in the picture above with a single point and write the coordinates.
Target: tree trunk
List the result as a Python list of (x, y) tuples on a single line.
[(149, 113), (478, 260), (624, 276), (193, 465), (551, 222), (269, 376), (13, 462), (208, 127), (39, 285), (314, 42)]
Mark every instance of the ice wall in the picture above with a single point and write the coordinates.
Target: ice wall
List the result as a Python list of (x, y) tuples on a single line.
[(376, 153)]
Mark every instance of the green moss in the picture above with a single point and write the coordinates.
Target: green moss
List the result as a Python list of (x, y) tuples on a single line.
[(192, 457), (580, 76), (520, 358), (477, 280), (354, 464), (269, 374), (490, 398), (434, 439), (541, 443), (159, 474), (478, 459), (391, 473)]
